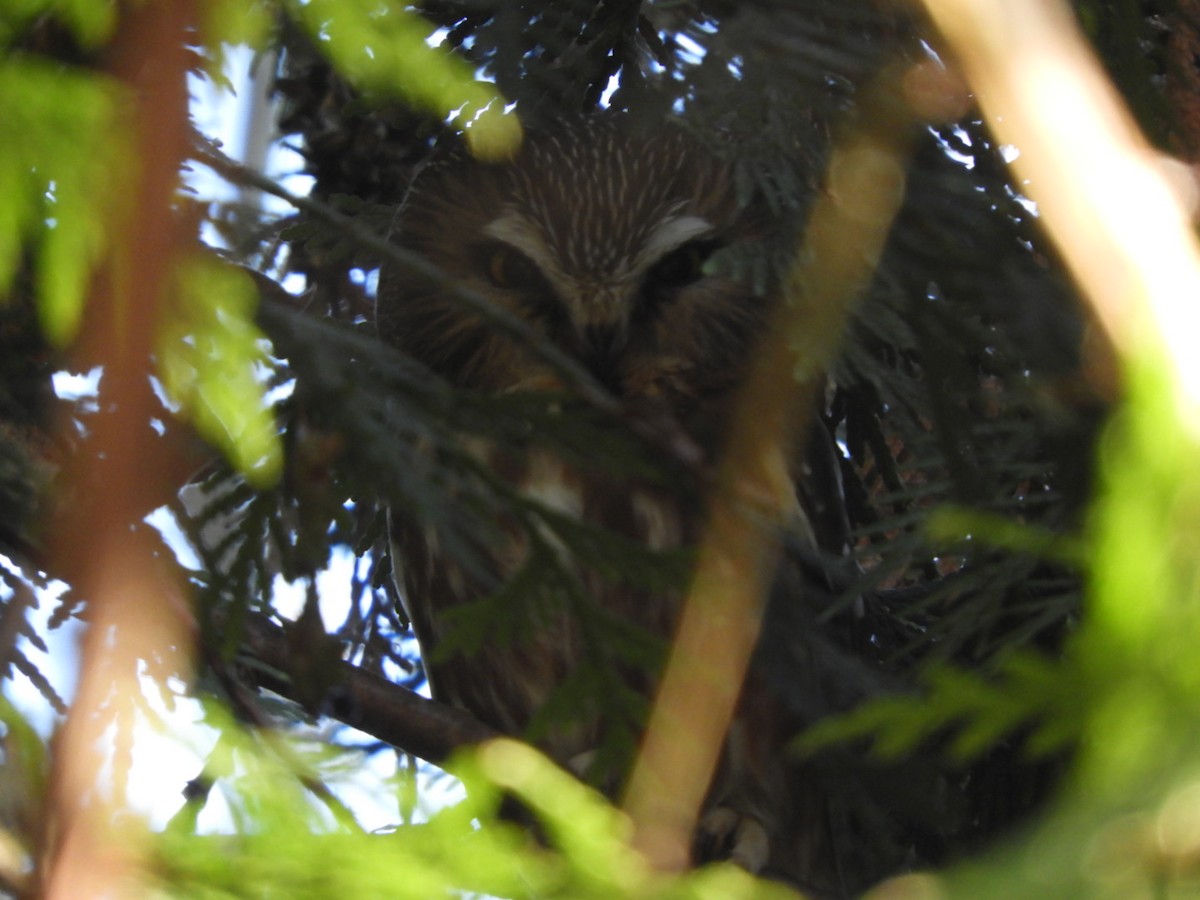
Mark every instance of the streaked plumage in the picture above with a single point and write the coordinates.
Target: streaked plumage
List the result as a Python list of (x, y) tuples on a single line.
[(596, 235)]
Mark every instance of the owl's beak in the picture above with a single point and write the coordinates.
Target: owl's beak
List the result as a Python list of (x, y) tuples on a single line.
[(602, 347)]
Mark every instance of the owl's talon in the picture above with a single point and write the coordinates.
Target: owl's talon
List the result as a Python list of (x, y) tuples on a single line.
[(726, 834), (580, 763)]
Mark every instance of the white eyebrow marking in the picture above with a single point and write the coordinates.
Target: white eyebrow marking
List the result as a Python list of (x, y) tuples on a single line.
[(671, 233), (515, 229)]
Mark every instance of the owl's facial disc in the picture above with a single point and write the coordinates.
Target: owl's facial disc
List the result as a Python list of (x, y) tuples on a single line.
[(598, 280), (589, 295), (587, 301)]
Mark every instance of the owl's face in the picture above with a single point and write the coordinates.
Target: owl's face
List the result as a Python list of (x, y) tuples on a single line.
[(598, 238)]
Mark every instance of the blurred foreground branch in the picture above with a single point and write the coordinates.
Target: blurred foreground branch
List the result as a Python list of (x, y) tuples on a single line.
[(754, 497), (136, 616), (1119, 212)]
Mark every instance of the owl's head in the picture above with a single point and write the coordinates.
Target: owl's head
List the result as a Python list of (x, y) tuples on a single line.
[(597, 234)]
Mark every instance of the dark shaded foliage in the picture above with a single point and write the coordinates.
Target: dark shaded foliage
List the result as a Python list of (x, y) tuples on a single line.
[(960, 383)]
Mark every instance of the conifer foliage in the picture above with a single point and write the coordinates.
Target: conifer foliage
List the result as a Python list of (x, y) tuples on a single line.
[(965, 654)]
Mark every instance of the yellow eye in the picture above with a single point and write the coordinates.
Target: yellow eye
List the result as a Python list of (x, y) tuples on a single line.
[(509, 269)]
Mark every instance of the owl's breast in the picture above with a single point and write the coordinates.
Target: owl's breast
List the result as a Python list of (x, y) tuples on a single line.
[(541, 602)]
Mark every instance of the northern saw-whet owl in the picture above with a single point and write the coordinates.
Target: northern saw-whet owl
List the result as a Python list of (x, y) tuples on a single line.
[(597, 235)]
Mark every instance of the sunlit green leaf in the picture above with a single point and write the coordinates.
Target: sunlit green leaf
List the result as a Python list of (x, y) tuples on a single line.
[(1139, 646), (233, 23), (948, 524), (282, 848), (16, 214), (210, 352), (385, 49), (582, 824), (90, 21), (62, 165), (593, 837), (1029, 694), (64, 265), (26, 764), (238, 21)]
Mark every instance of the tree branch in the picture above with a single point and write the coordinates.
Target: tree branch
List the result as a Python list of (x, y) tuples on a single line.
[(394, 714)]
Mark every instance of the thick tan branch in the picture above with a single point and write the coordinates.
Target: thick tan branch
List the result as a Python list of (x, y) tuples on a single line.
[(754, 494)]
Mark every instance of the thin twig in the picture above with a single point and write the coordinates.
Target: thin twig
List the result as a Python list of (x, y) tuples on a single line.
[(282, 751)]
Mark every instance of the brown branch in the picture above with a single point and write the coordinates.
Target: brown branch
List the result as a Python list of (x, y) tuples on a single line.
[(392, 713)]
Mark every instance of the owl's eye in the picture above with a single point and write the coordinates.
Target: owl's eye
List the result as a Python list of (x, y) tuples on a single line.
[(506, 268), (681, 266)]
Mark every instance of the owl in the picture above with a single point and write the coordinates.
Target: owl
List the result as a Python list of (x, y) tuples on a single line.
[(599, 235)]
